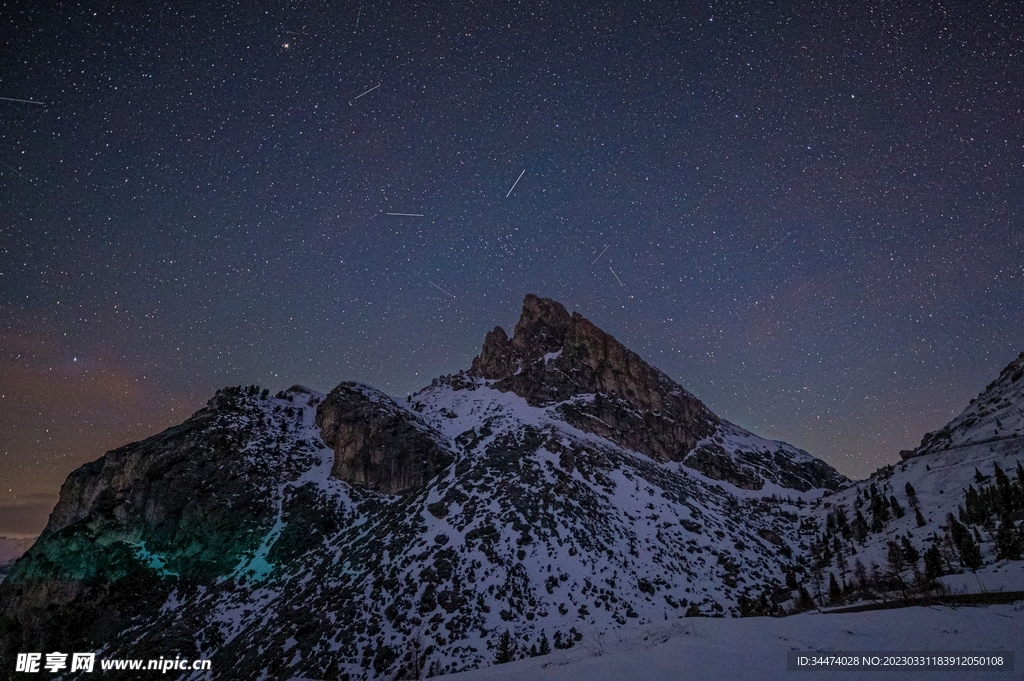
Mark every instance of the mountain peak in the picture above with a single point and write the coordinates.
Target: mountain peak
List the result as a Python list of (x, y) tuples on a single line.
[(593, 382), (554, 355), (541, 330)]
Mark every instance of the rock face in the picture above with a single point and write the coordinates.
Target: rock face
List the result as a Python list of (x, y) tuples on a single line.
[(994, 418), (377, 444), (185, 506), (748, 462)]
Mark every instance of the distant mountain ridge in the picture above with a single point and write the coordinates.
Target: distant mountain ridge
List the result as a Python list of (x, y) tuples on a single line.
[(994, 416), (561, 487)]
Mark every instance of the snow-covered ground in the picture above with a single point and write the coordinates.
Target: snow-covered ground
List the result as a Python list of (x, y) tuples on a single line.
[(1006, 575), (757, 647)]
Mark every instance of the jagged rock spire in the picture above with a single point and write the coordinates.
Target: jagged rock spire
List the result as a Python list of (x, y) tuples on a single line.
[(541, 330), (554, 357)]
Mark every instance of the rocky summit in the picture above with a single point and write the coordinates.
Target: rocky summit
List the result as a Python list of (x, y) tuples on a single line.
[(559, 488)]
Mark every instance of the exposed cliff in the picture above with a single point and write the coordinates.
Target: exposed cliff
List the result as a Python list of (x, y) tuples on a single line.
[(188, 506), (377, 444)]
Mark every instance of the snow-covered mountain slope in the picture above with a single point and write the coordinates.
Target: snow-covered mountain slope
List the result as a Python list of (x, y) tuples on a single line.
[(537, 528), (939, 483), (970, 471)]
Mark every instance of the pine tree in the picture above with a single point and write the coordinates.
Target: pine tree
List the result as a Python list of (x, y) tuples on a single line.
[(841, 561), (506, 649), (895, 557), (879, 511), (911, 494), (1005, 491), (545, 647), (970, 554), (976, 510), (1008, 541), (804, 601), (859, 527), (842, 522), (818, 579), (932, 564), (861, 574), (896, 508), (919, 518), (910, 554), (835, 594)]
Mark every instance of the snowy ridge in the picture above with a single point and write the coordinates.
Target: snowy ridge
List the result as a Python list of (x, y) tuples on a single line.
[(960, 496)]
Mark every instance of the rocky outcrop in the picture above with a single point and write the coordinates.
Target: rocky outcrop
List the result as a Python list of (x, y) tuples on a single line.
[(750, 468), (494, 357), (377, 444), (713, 461), (541, 329)]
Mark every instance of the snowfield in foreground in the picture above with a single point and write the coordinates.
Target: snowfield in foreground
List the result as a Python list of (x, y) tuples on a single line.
[(757, 647)]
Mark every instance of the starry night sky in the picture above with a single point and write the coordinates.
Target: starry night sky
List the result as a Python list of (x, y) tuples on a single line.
[(815, 210)]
